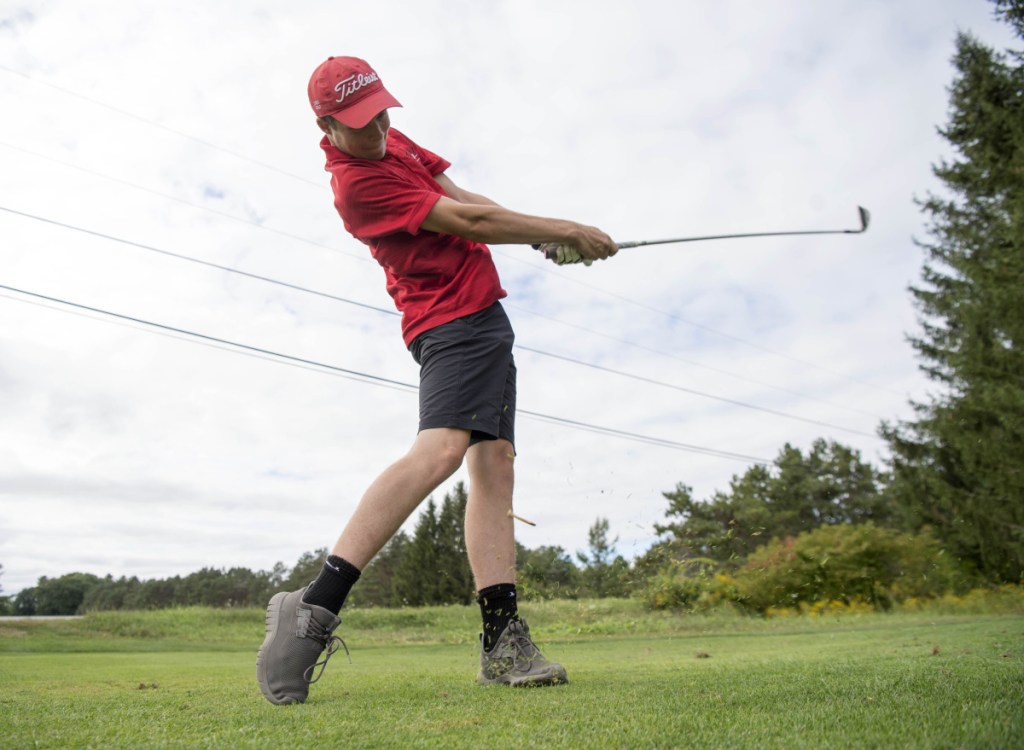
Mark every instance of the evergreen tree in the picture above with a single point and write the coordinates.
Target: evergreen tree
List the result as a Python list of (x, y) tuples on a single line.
[(6, 606), (1012, 11), (547, 573), (831, 484), (25, 602), (959, 465), (376, 587), (434, 568), (416, 579), (111, 594), (604, 573), (455, 578), (63, 595), (306, 569)]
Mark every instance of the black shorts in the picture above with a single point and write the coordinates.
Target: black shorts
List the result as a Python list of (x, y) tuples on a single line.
[(468, 376)]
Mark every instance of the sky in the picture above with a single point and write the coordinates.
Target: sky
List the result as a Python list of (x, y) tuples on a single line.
[(136, 133)]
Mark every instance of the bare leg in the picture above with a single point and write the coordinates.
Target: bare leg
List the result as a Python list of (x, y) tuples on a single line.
[(490, 541), (395, 494)]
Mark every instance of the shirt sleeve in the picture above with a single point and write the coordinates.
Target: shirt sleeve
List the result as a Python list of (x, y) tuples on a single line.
[(376, 198), (434, 163), (376, 204)]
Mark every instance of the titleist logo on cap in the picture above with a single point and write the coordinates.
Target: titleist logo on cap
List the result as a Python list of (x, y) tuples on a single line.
[(353, 83), (349, 90)]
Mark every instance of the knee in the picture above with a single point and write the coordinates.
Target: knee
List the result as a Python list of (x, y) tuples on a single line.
[(493, 462), (503, 463), (439, 453), (447, 460)]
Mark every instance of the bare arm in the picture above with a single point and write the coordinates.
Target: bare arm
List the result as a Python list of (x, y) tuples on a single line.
[(461, 194), (477, 218)]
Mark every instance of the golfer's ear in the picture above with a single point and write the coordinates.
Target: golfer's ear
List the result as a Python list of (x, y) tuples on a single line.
[(324, 123)]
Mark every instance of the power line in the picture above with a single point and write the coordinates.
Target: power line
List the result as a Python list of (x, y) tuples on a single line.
[(731, 337), (663, 384), (506, 256), (205, 337), (644, 438), (338, 298), (168, 196), (237, 347), (161, 126), (191, 259), (691, 362), (579, 282), (89, 315)]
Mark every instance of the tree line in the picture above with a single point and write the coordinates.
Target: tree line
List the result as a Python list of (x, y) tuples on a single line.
[(428, 567), (813, 524), (946, 511)]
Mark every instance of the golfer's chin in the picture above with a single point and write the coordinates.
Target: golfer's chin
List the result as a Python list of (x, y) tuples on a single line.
[(375, 153)]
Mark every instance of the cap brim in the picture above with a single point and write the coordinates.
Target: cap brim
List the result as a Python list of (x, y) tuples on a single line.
[(359, 114)]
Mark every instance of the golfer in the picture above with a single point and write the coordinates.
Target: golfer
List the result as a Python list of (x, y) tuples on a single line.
[(429, 236)]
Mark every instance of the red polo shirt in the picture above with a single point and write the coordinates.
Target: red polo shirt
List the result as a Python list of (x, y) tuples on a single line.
[(433, 278)]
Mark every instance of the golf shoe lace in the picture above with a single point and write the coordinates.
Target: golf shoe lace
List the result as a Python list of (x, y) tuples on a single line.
[(331, 644), (524, 645)]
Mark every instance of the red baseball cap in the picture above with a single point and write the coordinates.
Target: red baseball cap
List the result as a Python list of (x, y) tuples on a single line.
[(349, 90)]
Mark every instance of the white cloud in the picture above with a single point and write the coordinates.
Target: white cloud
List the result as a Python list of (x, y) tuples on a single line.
[(135, 454)]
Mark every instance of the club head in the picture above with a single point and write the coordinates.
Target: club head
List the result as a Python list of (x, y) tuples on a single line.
[(865, 218)]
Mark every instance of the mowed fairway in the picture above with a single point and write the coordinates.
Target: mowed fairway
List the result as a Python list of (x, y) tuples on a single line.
[(906, 681)]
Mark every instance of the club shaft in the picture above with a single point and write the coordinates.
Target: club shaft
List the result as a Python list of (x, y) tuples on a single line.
[(641, 243), (865, 218)]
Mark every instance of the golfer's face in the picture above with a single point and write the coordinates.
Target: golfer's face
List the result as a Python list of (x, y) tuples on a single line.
[(368, 142)]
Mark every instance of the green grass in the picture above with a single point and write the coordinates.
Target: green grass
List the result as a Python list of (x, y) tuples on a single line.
[(186, 678)]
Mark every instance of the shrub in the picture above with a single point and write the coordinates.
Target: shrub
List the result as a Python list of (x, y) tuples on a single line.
[(689, 584), (1003, 599), (846, 564)]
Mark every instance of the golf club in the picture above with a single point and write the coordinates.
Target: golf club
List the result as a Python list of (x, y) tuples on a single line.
[(865, 218)]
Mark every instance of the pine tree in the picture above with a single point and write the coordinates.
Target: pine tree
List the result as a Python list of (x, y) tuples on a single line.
[(830, 484), (416, 576), (604, 572), (376, 586), (455, 578), (1012, 11), (306, 569), (434, 568), (959, 465), (547, 572)]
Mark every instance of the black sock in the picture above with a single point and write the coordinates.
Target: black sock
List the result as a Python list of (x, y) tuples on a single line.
[(332, 585), (498, 607)]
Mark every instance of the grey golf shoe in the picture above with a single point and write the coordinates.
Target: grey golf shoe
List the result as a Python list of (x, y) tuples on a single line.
[(297, 634), (516, 661)]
